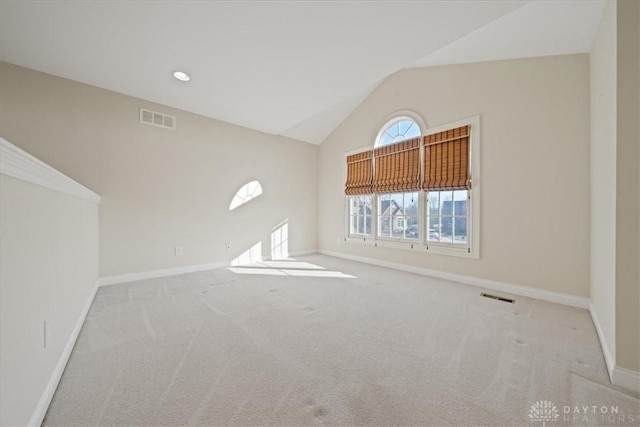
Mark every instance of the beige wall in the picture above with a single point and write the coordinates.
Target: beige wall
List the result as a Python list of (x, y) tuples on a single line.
[(49, 258), (603, 176), (615, 181), (535, 165), (162, 188), (628, 179)]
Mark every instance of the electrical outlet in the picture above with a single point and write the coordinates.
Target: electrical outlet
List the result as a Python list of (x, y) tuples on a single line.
[(178, 250)]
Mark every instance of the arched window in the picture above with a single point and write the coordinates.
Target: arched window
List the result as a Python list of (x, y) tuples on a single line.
[(412, 189), (249, 191), (398, 129)]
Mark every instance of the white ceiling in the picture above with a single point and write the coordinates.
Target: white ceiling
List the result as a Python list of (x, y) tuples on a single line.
[(294, 68)]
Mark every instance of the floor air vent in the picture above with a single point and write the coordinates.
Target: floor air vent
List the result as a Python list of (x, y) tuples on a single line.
[(498, 298), (157, 119)]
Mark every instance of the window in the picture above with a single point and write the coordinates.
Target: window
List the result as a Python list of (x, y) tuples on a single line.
[(398, 216), (447, 217), (413, 190), (360, 216), (398, 129)]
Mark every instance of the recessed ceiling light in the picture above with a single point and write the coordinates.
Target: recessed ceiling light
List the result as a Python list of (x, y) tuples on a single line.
[(182, 76)]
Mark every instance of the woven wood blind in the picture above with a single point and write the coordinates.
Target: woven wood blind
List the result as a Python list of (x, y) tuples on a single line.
[(397, 167), (446, 160), (359, 173)]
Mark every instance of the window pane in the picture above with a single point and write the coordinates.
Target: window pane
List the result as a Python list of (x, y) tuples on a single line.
[(398, 226), (394, 129), (411, 203), (366, 205), (360, 215), (404, 126), (386, 139), (434, 203), (460, 203), (460, 230), (384, 226), (397, 201), (446, 229), (412, 231), (398, 130), (433, 235), (446, 205), (398, 215), (447, 216), (413, 132)]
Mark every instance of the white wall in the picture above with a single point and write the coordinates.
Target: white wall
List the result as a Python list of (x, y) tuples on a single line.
[(162, 188), (49, 268), (603, 177), (535, 165)]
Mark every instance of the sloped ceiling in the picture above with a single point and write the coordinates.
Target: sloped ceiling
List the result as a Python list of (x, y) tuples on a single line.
[(293, 68)]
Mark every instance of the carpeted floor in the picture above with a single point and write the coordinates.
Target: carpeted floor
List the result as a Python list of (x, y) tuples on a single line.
[(323, 341)]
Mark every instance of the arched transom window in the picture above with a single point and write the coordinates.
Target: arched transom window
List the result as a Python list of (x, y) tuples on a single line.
[(398, 129)]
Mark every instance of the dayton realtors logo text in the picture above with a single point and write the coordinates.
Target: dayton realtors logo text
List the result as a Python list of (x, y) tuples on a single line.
[(596, 413), (545, 411)]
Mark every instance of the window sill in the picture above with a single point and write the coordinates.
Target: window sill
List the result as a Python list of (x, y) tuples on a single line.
[(461, 252)]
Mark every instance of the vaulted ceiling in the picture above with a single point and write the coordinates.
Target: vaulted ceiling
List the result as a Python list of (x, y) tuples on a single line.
[(293, 68)]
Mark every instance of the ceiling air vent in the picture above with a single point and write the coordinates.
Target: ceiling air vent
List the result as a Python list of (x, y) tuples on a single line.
[(157, 119)]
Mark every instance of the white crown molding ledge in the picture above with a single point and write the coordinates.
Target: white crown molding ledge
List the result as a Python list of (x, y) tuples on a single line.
[(541, 294), (19, 164)]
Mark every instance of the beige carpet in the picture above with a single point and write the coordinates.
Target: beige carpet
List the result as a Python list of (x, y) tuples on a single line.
[(322, 341)]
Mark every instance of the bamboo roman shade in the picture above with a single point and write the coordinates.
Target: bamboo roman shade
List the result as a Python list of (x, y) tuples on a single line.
[(446, 160), (359, 173), (397, 167)]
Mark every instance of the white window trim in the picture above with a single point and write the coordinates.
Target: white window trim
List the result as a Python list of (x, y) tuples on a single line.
[(470, 250)]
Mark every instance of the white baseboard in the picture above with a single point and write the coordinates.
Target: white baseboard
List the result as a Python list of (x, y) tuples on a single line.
[(608, 358), (45, 399), (626, 378), (152, 274), (622, 377), (541, 294), (303, 253)]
